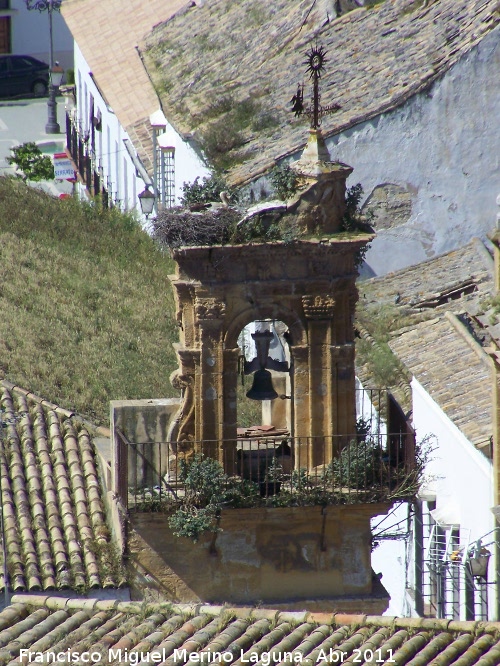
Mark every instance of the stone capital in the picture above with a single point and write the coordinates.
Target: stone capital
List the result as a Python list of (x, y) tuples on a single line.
[(209, 309), (319, 306)]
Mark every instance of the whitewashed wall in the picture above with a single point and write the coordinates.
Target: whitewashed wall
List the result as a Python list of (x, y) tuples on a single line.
[(462, 479), (119, 171), (461, 476), (30, 34), (443, 147), (461, 473), (188, 162), (389, 559)]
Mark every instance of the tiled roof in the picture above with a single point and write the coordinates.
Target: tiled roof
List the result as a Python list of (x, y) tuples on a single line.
[(121, 631), (54, 518), (454, 370), (439, 349), (377, 57), (437, 282), (107, 34)]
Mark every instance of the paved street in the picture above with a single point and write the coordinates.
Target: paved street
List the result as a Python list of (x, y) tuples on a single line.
[(24, 120)]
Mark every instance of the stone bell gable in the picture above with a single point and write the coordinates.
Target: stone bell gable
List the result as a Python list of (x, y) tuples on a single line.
[(308, 284)]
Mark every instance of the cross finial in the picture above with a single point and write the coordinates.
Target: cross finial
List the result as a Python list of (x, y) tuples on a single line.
[(315, 61)]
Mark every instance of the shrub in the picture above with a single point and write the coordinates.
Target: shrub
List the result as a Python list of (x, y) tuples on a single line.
[(29, 159), (359, 464), (285, 181), (205, 192), (206, 490), (352, 214)]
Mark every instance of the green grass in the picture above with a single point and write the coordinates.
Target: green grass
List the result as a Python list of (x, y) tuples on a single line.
[(87, 311)]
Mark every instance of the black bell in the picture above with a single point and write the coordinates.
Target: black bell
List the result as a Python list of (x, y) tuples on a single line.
[(262, 387)]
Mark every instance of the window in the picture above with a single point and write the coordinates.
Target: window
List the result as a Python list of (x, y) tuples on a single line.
[(164, 170), (20, 63), (443, 585)]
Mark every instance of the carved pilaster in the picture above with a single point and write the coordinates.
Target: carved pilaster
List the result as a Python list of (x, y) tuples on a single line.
[(182, 430), (209, 317)]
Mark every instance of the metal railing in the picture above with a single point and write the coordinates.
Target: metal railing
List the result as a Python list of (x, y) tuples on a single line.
[(85, 161), (276, 471)]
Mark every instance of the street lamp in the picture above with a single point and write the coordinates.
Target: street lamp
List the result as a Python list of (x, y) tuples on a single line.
[(56, 72), (147, 201), (56, 75)]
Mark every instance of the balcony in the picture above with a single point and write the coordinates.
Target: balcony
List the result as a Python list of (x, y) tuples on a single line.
[(85, 162), (262, 469)]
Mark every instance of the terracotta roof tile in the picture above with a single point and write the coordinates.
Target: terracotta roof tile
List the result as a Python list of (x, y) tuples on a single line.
[(110, 49), (431, 351), (456, 281), (49, 625), (420, 286), (54, 516)]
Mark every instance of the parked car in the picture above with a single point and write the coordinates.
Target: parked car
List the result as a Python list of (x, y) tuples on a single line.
[(23, 75)]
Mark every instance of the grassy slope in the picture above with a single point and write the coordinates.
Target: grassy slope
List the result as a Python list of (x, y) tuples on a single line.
[(86, 308)]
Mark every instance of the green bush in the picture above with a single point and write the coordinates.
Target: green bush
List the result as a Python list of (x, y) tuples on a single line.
[(206, 490), (359, 464), (285, 181), (206, 191), (29, 159)]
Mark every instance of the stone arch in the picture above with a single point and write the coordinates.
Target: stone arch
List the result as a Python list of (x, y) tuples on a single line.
[(274, 311)]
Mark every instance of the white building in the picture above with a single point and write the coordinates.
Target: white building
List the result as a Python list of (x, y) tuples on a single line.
[(426, 555), (115, 117)]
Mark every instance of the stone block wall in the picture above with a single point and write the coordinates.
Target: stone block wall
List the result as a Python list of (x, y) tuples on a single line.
[(306, 557)]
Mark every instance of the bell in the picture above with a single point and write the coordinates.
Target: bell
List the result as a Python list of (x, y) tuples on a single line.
[(262, 387)]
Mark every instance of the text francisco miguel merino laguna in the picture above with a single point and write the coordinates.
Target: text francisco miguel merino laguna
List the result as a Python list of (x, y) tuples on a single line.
[(182, 656)]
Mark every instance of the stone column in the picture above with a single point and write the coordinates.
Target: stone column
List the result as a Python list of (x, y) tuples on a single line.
[(209, 314), (344, 410), (230, 409), (319, 311), (301, 416)]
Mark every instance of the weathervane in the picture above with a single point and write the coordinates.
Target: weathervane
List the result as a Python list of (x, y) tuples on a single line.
[(315, 61)]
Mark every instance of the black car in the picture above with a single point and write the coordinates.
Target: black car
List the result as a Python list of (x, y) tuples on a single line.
[(23, 75)]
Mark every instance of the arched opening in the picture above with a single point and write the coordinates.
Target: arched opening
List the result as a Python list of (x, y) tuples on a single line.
[(253, 410), (264, 403)]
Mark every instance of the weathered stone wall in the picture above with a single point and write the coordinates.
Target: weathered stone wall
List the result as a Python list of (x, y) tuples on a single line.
[(261, 555), (388, 206), (144, 423)]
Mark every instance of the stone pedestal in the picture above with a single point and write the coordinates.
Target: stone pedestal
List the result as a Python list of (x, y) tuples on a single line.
[(300, 557)]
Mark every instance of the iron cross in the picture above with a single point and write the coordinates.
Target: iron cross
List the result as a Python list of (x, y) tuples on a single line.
[(315, 61)]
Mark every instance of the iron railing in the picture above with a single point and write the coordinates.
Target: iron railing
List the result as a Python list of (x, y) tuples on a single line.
[(279, 471), (85, 161)]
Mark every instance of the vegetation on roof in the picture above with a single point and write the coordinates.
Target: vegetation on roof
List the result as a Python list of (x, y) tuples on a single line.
[(374, 324), (87, 309), (235, 103)]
